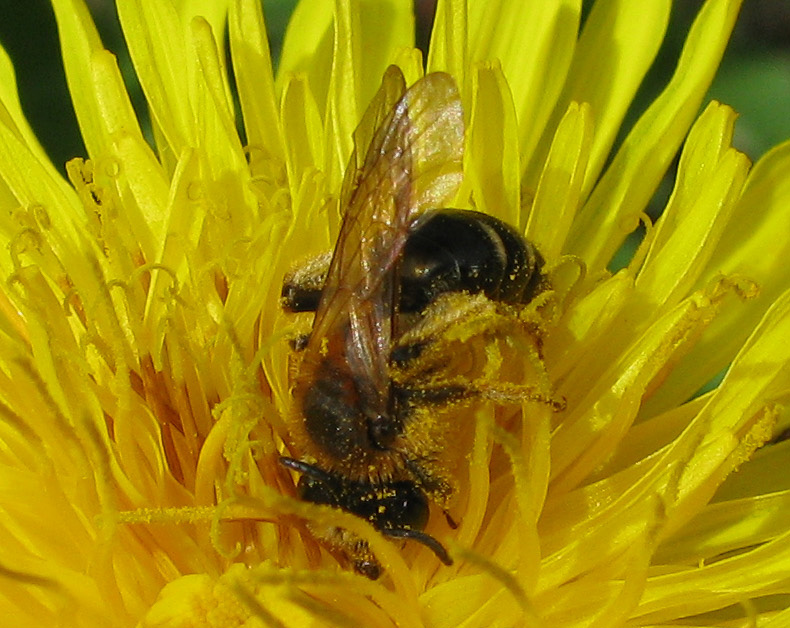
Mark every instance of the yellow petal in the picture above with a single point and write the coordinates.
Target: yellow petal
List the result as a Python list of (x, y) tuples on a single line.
[(109, 123), (732, 525), (255, 81), (559, 190), (619, 41), (37, 189), (573, 342), (216, 126), (156, 40), (302, 127), (691, 591), (131, 168), (213, 11), (471, 601), (492, 160), (343, 106), (751, 248), (646, 153), (387, 30), (535, 41), (308, 48), (146, 380), (11, 114), (447, 51), (709, 181), (79, 42), (326, 41)]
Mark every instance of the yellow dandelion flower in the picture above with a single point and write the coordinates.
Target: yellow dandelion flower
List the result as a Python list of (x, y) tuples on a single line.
[(146, 375)]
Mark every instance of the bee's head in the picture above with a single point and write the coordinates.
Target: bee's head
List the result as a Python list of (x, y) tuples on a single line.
[(396, 509), (387, 505)]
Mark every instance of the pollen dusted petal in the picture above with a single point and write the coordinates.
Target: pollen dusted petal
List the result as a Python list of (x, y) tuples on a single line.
[(753, 247), (606, 403), (198, 601), (722, 432), (750, 508), (743, 409)]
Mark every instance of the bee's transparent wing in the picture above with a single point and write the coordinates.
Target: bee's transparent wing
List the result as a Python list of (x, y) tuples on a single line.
[(413, 163)]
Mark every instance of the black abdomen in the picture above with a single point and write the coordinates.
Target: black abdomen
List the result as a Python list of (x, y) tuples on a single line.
[(456, 250)]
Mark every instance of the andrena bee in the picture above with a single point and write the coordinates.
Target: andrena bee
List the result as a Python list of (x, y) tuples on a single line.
[(396, 255)]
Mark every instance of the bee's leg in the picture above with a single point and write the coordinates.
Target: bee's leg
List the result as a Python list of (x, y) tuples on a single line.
[(401, 355), (442, 393), (437, 487), (302, 287)]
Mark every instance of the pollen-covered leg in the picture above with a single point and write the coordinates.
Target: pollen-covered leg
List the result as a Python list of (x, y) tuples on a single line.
[(470, 347)]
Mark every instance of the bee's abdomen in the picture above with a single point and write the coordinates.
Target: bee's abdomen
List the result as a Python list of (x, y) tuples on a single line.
[(456, 250)]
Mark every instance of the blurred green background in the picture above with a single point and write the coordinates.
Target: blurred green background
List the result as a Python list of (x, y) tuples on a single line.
[(754, 77)]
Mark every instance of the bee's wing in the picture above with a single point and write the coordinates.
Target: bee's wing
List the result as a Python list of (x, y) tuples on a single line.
[(413, 162)]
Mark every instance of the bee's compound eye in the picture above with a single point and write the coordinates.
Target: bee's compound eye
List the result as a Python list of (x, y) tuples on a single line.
[(405, 507)]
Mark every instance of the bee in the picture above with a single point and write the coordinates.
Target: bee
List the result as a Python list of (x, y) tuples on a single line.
[(395, 255)]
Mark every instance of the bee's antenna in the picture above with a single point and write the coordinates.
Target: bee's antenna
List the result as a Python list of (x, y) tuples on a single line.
[(426, 539)]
